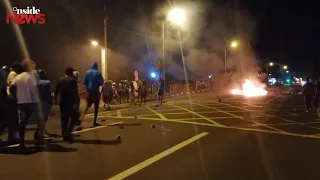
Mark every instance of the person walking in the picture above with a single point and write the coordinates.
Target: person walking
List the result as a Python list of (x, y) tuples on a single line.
[(308, 91), (92, 81), (107, 94), (24, 89), (143, 90), (46, 103), (67, 90)]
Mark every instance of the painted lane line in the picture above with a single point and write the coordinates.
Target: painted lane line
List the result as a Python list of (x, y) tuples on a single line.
[(284, 119), (225, 112), (275, 129), (156, 158), (251, 105), (119, 114), (280, 124), (240, 128), (89, 129), (272, 99), (155, 112), (16, 145), (199, 115)]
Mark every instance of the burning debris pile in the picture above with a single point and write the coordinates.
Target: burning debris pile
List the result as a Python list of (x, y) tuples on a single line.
[(250, 89)]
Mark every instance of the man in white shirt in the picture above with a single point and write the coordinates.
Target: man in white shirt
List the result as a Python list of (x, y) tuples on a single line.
[(24, 88)]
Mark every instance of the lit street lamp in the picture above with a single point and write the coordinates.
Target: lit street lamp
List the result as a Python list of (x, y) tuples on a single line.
[(103, 59), (177, 17), (270, 64), (94, 43), (233, 44), (285, 67)]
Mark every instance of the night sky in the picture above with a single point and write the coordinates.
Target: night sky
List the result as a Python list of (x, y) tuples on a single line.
[(284, 31)]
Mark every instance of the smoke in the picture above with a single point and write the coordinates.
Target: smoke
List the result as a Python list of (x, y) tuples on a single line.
[(135, 38), (206, 34)]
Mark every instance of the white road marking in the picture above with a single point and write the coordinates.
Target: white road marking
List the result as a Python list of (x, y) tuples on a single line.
[(156, 158)]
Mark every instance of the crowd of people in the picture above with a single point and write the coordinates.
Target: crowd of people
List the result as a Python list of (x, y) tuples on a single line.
[(25, 93)]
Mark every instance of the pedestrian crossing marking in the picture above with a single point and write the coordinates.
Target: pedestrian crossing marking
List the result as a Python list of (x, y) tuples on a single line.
[(155, 112), (213, 122)]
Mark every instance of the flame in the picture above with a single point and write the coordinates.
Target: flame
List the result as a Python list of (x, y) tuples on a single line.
[(250, 90)]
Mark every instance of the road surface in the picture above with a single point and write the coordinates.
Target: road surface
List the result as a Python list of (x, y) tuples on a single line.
[(188, 137)]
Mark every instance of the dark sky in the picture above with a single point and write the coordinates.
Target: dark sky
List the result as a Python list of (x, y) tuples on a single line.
[(285, 32)]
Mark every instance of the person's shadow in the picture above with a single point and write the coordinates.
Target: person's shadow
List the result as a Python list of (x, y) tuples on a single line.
[(51, 147), (98, 142)]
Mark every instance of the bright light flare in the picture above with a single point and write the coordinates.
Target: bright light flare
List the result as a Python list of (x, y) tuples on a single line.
[(153, 75), (176, 16), (94, 43), (250, 90), (234, 44)]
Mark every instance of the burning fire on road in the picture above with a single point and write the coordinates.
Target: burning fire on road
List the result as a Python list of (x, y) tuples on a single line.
[(250, 89)]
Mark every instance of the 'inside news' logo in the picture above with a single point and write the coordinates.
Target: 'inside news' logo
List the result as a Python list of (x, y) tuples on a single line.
[(27, 15)]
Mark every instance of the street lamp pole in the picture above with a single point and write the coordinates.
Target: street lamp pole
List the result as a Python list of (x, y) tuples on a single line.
[(104, 54), (225, 60), (163, 54)]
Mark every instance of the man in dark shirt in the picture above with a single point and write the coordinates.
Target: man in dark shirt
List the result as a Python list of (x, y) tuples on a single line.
[(3, 98), (308, 91), (160, 91), (67, 88), (317, 95)]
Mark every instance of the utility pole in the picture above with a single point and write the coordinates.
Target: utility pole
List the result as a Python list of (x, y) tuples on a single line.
[(105, 43)]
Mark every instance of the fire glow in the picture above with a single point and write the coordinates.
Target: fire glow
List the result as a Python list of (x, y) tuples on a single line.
[(250, 90)]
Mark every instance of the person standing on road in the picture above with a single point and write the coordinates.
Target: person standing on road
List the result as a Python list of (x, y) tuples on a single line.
[(160, 91), (12, 108), (67, 90), (317, 95), (308, 91), (45, 97), (143, 90), (121, 92), (126, 92), (132, 94), (92, 81), (24, 88), (3, 98)]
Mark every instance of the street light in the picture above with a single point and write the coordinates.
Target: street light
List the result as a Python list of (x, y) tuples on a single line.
[(94, 43), (103, 59), (285, 67), (270, 64), (233, 44), (177, 17)]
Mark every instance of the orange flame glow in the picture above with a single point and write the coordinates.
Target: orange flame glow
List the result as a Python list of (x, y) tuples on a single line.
[(250, 90)]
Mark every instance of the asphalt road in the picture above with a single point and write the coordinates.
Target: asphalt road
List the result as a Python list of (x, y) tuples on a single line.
[(188, 137)]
